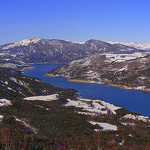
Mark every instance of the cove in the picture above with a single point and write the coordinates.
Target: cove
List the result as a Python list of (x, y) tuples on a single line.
[(135, 101)]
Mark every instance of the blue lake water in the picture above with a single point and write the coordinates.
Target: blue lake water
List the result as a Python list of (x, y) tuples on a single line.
[(135, 101)]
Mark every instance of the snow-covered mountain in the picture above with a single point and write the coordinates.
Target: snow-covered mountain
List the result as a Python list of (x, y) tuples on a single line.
[(141, 46), (25, 42), (130, 71), (38, 50)]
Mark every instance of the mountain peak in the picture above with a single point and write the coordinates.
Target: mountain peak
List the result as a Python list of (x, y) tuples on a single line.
[(24, 42)]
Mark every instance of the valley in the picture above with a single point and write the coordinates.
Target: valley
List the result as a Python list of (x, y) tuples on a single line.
[(41, 112)]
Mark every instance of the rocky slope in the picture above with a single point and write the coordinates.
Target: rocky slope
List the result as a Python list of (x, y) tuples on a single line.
[(38, 50), (15, 85), (130, 71)]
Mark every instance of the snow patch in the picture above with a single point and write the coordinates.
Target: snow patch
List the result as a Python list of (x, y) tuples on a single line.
[(11, 89), (93, 107), (121, 143), (27, 125), (1, 117), (43, 98), (5, 102), (9, 65), (79, 42), (122, 57), (104, 126), (136, 117), (127, 123), (139, 87)]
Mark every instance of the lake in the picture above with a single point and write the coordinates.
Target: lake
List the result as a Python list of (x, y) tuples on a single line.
[(135, 101)]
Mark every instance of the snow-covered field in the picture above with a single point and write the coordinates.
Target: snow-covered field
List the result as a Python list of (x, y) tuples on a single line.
[(136, 117), (104, 126), (123, 57), (43, 98), (93, 107), (5, 102)]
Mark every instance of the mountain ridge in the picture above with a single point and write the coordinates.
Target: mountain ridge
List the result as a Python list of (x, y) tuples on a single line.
[(36, 50), (141, 46), (121, 70)]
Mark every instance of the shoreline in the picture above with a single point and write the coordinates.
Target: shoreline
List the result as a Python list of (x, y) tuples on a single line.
[(124, 87), (82, 81)]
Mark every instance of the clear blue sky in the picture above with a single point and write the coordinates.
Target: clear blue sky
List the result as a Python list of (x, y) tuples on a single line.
[(75, 20)]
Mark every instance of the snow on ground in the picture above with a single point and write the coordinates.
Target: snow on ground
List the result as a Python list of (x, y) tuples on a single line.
[(4, 82), (5, 102), (83, 62), (136, 117), (111, 107), (121, 143), (124, 68), (139, 87), (86, 113), (127, 123), (93, 75), (11, 89), (17, 81), (1, 117), (79, 42), (93, 107), (123, 57), (27, 125), (104, 126), (9, 65), (130, 135), (43, 98)]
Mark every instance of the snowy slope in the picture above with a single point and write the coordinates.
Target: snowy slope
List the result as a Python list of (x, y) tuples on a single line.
[(24, 42), (93, 107), (104, 126), (14, 84), (131, 71), (142, 46)]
